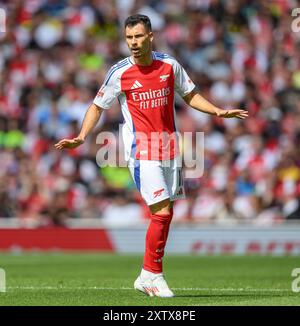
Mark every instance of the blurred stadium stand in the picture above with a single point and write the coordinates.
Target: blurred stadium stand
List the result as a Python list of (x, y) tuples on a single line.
[(53, 58)]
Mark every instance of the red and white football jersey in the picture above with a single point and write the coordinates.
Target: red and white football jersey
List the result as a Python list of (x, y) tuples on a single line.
[(146, 95)]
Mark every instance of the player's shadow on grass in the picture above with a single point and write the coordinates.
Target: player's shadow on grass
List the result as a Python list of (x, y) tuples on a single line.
[(223, 295)]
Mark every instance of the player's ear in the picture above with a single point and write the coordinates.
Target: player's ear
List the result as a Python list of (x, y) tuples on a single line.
[(151, 36)]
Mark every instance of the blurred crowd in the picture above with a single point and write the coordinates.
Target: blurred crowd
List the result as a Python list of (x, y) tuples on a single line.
[(240, 54)]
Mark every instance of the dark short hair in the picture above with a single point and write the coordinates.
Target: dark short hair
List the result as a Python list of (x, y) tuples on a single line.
[(136, 19)]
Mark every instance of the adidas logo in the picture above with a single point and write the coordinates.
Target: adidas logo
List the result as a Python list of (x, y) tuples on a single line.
[(136, 84)]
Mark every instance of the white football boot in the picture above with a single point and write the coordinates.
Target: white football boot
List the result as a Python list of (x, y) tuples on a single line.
[(153, 285), (144, 285), (160, 287)]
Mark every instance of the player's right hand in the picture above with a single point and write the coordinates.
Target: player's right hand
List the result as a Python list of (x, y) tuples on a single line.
[(69, 143)]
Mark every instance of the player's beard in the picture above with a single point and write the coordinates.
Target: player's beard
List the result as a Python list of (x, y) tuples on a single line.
[(143, 51), (137, 54)]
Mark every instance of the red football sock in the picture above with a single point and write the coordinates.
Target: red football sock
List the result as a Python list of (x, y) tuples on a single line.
[(156, 239)]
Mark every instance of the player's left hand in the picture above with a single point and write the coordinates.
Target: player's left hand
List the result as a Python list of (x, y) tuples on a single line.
[(69, 143), (241, 114)]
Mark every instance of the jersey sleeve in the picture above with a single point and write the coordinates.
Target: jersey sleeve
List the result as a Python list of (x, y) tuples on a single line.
[(183, 83), (110, 89)]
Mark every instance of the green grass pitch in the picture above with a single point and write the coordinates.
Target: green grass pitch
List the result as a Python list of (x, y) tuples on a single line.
[(50, 279)]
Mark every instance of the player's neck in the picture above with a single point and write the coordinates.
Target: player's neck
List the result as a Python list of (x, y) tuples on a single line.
[(144, 61)]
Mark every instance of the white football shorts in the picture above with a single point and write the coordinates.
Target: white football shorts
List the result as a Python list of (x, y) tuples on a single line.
[(158, 180)]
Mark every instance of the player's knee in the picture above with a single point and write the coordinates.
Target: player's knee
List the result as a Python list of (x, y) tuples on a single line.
[(164, 207)]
